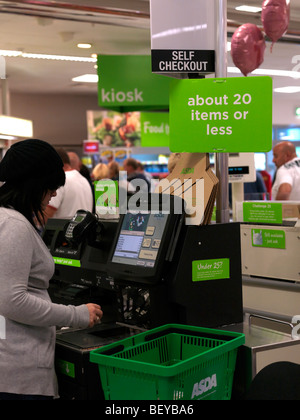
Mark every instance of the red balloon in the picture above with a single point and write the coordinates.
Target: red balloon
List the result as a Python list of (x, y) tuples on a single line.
[(247, 48), (275, 17)]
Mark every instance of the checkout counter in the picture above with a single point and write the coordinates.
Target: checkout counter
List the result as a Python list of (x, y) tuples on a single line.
[(146, 269), (271, 292)]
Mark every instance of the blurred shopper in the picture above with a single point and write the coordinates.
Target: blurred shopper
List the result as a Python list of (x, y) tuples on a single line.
[(255, 190), (75, 195), (77, 164), (130, 166), (32, 171), (100, 171), (75, 161), (114, 169), (287, 182), (141, 170)]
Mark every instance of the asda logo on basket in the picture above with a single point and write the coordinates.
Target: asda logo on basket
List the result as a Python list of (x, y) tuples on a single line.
[(204, 386)]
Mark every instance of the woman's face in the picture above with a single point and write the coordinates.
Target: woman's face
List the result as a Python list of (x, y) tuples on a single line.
[(47, 197)]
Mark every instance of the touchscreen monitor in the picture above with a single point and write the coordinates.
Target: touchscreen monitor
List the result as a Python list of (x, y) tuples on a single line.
[(140, 239), (143, 242)]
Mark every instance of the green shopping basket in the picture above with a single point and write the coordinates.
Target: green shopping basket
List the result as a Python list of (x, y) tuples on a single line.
[(172, 362)]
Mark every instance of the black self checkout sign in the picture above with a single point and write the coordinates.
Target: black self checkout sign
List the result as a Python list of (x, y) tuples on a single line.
[(183, 61)]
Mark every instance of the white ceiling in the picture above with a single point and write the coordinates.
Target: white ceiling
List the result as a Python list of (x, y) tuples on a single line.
[(55, 27)]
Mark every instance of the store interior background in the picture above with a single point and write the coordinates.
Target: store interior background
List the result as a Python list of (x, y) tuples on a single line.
[(43, 90)]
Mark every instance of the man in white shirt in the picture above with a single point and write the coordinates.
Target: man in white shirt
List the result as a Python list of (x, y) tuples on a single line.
[(287, 182), (75, 195)]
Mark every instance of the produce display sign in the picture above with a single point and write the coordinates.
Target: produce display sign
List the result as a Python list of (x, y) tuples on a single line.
[(155, 129), (230, 115)]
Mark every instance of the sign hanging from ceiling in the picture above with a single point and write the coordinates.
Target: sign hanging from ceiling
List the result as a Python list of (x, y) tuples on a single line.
[(155, 129), (183, 36), (126, 84), (221, 115)]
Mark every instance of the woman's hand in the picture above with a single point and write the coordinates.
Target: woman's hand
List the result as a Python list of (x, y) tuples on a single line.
[(95, 313)]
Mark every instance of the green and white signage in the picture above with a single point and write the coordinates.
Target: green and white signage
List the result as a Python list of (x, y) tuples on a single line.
[(126, 83), (67, 261), (205, 270), (262, 212), (268, 238), (221, 115), (155, 129)]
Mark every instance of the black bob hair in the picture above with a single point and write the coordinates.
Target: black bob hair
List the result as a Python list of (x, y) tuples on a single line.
[(26, 195)]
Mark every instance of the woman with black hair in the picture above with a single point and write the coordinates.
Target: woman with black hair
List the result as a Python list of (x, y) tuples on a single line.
[(31, 171)]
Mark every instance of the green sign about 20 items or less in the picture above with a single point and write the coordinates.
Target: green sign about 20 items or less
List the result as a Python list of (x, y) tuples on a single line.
[(228, 115)]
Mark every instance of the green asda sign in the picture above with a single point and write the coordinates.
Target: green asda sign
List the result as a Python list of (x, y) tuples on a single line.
[(262, 212), (221, 115), (205, 270), (268, 238), (155, 129), (126, 83)]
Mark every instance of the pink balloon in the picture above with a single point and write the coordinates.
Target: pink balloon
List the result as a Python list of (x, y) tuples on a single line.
[(247, 48), (275, 17)]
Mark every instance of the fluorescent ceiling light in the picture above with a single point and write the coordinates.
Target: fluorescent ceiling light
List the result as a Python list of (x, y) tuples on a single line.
[(8, 53), (11, 126), (269, 72), (84, 45), (86, 78), (288, 89), (250, 9), (4, 137)]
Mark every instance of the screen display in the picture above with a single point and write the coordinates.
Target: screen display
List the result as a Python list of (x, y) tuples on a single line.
[(79, 218), (238, 170), (140, 239)]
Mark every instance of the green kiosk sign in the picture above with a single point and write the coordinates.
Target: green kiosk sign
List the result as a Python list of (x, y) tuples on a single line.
[(126, 83), (221, 115)]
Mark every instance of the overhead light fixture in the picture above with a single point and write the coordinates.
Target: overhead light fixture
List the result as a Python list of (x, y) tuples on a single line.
[(250, 9), (16, 127), (84, 45), (5, 137), (288, 89), (269, 72), (86, 78), (10, 53), (297, 112)]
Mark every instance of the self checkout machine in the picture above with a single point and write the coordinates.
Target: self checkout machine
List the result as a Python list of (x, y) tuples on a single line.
[(145, 270), (270, 247)]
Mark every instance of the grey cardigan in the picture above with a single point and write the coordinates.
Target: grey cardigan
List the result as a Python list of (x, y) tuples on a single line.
[(28, 318)]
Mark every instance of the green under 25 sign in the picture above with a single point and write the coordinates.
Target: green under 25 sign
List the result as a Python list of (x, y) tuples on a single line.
[(228, 115)]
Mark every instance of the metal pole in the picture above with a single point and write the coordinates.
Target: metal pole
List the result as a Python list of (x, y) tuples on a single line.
[(221, 159)]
